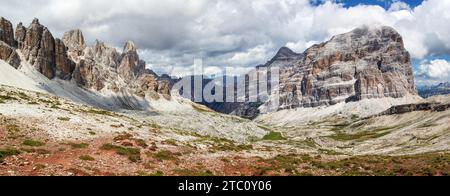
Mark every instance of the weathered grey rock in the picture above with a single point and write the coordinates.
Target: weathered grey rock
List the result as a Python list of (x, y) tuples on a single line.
[(74, 40), (9, 55), (21, 32), (97, 66), (64, 66), (38, 49), (369, 62), (6, 32), (103, 54), (130, 66)]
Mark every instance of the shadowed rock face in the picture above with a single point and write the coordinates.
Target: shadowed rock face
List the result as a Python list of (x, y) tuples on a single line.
[(40, 49), (64, 66), (6, 32), (9, 55), (7, 51), (20, 34)]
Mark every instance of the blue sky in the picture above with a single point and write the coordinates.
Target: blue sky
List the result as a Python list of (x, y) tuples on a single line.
[(383, 3)]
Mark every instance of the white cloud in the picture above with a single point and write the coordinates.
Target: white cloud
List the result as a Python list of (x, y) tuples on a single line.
[(434, 71), (398, 5), (231, 32)]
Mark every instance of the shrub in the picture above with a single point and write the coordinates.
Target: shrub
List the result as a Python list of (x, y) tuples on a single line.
[(133, 154), (33, 143), (273, 136), (87, 158)]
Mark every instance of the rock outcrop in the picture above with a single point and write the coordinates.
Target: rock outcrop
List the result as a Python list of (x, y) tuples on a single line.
[(7, 51), (101, 66), (20, 34), (130, 66), (74, 40), (9, 55), (95, 65), (64, 66), (40, 49), (6, 32), (284, 58)]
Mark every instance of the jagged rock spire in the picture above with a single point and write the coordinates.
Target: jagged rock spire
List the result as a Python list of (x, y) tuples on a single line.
[(74, 40), (6, 32), (7, 44), (130, 66)]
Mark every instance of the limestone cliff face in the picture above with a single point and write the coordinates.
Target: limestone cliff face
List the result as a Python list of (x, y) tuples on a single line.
[(6, 32), (369, 62), (74, 40), (40, 49), (9, 55), (103, 67), (7, 51), (99, 67), (130, 66)]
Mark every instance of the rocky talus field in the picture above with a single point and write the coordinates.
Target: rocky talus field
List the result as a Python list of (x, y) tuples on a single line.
[(42, 134), (349, 106)]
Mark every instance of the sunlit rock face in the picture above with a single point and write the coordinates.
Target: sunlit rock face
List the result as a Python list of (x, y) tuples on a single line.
[(369, 62)]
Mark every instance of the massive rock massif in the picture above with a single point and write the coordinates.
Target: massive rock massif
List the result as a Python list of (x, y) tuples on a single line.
[(366, 63), (98, 68), (369, 62)]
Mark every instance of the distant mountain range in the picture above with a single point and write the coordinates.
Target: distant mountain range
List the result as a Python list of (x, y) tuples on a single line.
[(366, 63), (433, 90), (369, 62)]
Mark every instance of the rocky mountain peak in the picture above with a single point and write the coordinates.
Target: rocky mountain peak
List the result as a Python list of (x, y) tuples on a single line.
[(6, 32), (20, 34), (130, 66), (285, 57), (7, 51), (103, 54), (368, 62), (130, 47), (285, 52), (35, 21), (74, 40)]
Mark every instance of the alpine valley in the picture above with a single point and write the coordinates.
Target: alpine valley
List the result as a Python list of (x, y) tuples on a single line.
[(348, 106)]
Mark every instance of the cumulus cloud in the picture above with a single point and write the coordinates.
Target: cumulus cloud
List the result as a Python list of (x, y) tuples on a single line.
[(398, 5), (241, 33), (434, 71)]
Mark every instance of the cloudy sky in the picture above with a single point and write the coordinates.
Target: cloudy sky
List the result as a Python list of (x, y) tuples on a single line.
[(242, 33)]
